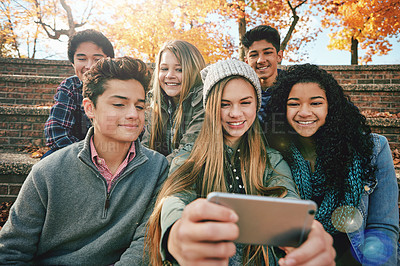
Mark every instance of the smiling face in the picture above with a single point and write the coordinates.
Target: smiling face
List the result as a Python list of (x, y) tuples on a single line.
[(85, 56), (307, 108), (238, 109), (118, 117), (170, 75), (264, 59)]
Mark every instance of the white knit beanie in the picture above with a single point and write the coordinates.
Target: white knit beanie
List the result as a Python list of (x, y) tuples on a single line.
[(222, 69)]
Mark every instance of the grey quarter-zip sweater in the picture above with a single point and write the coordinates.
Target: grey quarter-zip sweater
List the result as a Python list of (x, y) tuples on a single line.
[(64, 216)]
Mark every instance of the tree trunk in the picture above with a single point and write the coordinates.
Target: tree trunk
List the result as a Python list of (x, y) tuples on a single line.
[(242, 31), (354, 51)]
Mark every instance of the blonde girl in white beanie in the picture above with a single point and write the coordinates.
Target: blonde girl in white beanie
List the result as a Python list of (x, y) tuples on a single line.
[(229, 155), (176, 111)]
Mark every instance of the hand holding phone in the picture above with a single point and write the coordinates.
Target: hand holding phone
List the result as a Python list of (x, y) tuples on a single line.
[(269, 220)]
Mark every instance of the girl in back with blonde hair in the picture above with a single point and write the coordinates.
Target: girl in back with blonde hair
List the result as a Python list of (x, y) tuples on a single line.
[(176, 112)]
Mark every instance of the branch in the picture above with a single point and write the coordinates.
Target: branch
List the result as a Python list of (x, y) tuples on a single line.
[(71, 23), (302, 2), (292, 26)]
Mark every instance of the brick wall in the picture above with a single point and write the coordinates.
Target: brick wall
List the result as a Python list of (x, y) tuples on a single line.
[(20, 90), (375, 98), (35, 67), (374, 88)]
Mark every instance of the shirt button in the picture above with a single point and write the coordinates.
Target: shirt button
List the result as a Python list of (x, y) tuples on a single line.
[(366, 188)]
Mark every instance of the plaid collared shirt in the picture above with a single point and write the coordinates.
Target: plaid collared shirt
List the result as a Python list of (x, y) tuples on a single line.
[(67, 122), (101, 165)]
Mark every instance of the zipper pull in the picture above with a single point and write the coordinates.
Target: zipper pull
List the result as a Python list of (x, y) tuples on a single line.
[(107, 205)]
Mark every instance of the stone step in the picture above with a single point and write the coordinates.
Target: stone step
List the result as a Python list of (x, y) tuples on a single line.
[(22, 126), (14, 168)]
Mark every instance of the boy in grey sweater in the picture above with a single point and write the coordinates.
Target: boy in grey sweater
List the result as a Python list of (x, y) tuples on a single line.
[(88, 203)]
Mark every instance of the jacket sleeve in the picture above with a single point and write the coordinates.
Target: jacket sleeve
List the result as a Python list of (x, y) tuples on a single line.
[(382, 229), (135, 253), (280, 174), (20, 235), (171, 212), (145, 138), (58, 127), (193, 124)]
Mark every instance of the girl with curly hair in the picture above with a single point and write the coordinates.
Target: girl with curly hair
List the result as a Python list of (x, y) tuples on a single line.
[(337, 162), (176, 111), (229, 155)]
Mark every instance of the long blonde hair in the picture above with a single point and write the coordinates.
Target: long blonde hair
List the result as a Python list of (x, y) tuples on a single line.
[(204, 169), (192, 62)]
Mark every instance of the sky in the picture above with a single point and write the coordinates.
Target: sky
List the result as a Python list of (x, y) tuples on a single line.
[(317, 50), (322, 56)]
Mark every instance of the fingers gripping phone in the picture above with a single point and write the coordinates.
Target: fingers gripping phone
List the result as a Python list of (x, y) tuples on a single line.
[(269, 220)]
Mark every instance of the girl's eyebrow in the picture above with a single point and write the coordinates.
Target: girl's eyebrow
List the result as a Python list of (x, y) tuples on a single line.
[(165, 64), (312, 98), (293, 98), (245, 98), (317, 97)]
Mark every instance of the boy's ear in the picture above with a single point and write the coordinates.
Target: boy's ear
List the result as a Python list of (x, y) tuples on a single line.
[(280, 56), (89, 107)]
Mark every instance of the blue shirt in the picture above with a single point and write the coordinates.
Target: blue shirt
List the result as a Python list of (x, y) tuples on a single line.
[(265, 96)]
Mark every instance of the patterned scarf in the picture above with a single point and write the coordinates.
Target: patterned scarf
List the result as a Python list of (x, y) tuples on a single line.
[(313, 185)]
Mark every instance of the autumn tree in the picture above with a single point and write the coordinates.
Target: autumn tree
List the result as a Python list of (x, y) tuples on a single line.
[(8, 38), (57, 18), (142, 27), (290, 17), (26, 22), (365, 24)]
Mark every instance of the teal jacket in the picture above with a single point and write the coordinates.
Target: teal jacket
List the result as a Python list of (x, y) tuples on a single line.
[(173, 206), (191, 124), (64, 216)]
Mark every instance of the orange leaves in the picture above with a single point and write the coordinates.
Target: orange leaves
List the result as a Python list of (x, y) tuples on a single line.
[(371, 22), (142, 28)]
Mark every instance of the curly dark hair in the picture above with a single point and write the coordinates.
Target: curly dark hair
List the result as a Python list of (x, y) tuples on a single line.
[(344, 135)]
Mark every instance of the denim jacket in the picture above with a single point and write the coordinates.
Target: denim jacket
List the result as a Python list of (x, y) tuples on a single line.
[(375, 240)]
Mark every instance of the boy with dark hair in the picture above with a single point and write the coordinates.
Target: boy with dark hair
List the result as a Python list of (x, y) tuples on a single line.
[(67, 122), (263, 54), (88, 204)]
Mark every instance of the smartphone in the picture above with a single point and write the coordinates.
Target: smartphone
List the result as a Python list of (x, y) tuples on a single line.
[(269, 220)]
